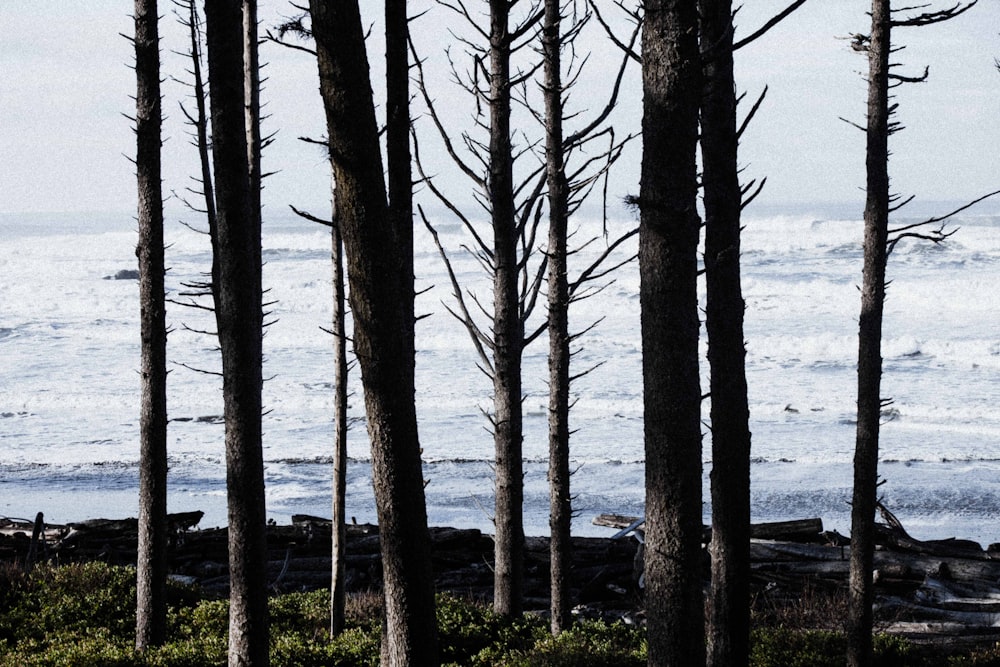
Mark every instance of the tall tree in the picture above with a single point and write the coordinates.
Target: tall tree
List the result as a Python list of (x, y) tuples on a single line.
[(151, 564), (560, 501), (870, 340), (724, 198), (669, 230), (373, 247), (236, 290), (508, 327), (567, 187), (729, 635), (514, 217), (878, 241), (338, 582)]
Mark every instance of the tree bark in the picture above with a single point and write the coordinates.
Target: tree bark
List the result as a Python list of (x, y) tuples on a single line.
[(668, 268), (729, 620), (397, 145), (560, 501), (338, 585), (378, 292), (859, 633), (251, 91), (236, 288), (151, 567), (508, 330)]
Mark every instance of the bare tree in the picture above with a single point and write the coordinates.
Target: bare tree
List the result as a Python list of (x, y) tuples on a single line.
[(338, 583), (668, 267), (729, 621), (151, 564), (878, 240), (236, 289), (724, 198), (560, 501), (373, 246), (567, 188), (298, 27), (514, 214)]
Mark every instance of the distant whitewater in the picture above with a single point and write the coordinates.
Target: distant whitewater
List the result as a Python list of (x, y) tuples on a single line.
[(69, 384)]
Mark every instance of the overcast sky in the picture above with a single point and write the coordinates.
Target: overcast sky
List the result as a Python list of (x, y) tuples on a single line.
[(65, 86)]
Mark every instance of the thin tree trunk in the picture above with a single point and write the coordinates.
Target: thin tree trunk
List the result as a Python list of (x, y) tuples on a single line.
[(338, 586), (870, 340), (251, 91), (151, 569), (236, 287), (397, 143), (378, 292), (668, 268), (729, 632), (201, 119), (560, 502), (508, 330)]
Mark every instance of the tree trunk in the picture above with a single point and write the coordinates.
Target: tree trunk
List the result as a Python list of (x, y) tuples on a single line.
[(668, 268), (870, 340), (397, 144), (338, 586), (236, 288), (151, 568), (378, 291), (201, 119), (251, 91), (508, 330), (729, 631), (560, 502)]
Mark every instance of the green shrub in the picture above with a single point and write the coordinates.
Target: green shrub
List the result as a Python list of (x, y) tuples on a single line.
[(784, 647), (586, 643), (56, 602), (989, 657), (470, 633)]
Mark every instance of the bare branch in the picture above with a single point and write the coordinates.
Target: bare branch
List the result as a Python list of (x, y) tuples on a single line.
[(479, 339), (626, 49), (775, 20), (931, 17)]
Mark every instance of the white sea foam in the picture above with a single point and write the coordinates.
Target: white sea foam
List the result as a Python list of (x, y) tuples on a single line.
[(69, 386)]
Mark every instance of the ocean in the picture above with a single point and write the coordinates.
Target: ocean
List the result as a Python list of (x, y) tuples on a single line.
[(69, 387)]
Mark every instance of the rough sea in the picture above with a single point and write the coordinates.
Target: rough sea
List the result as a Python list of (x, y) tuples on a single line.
[(69, 386)]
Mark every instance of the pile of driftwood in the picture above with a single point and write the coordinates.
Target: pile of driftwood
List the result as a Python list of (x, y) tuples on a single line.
[(923, 588), (299, 558)]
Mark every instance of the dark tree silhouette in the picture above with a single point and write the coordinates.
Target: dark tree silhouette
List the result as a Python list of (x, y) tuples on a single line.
[(151, 564), (561, 26), (724, 198), (373, 246), (560, 501), (668, 268), (236, 289), (878, 241), (729, 621), (514, 220)]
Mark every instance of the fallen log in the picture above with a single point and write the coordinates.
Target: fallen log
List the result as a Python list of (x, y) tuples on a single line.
[(797, 530)]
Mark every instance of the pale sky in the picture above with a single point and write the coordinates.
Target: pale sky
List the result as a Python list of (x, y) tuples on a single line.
[(65, 85)]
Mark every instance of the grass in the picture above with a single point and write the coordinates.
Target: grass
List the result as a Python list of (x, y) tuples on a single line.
[(84, 614)]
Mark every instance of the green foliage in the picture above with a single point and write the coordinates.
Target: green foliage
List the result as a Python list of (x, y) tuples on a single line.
[(586, 643), (85, 615), (989, 657), (784, 647), (472, 634), (56, 602)]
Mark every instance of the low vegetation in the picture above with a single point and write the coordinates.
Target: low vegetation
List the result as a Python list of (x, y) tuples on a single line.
[(84, 614)]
